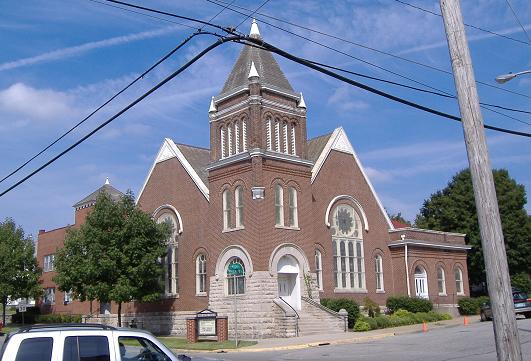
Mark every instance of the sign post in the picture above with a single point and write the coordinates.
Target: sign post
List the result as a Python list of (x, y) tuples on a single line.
[(22, 309), (235, 270)]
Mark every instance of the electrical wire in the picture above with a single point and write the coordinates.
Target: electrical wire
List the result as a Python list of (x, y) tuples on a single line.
[(469, 25), (251, 14), (518, 21), (105, 103), (220, 41), (223, 3)]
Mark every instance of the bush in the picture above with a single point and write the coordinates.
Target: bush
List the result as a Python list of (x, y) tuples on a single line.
[(361, 326), (522, 282), (58, 318), (471, 306), (382, 321), (371, 307), (352, 308), (411, 304), (29, 315), (402, 313)]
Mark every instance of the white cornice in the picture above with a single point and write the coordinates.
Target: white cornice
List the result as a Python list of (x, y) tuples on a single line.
[(426, 231), (170, 150), (413, 242), (339, 141)]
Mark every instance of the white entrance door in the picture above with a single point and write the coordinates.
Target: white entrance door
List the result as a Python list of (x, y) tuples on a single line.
[(421, 282), (288, 281)]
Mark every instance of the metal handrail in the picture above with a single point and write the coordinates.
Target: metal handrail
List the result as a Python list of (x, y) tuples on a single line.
[(318, 305), (298, 317)]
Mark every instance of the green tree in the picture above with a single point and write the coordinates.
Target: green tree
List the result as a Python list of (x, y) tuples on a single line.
[(19, 272), (453, 209), (114, 256), (398, 217)]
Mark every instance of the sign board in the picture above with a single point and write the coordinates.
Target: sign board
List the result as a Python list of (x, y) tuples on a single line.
[(21, 308), (235, 269), (206, 322)]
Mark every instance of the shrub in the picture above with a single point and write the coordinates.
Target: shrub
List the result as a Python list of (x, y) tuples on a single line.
[(372, 308), (471, 306), (29, 315), (382, 321), (58, 318), (522, 282), (361, 326), (402, 313), (352, 308), (411, 304)]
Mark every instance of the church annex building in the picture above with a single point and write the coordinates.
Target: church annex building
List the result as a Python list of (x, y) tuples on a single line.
[(272, 219)]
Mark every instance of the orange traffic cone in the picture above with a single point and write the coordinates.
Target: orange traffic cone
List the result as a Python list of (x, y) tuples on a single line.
[(424, 327), (465, 321)]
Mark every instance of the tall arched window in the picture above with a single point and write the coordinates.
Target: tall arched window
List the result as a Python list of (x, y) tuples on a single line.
[(237, 137), (229, 139), (441, 281), (235, 277), (349, 266), (293, 215), (222, 141), (319, 269), (279, 205), (277, 135), (200, 274), (170, 260), (269, 136), (285, 137), (293, 150), (459, 281), (227, 211), (378, 270), (244, 134), (238, 195)]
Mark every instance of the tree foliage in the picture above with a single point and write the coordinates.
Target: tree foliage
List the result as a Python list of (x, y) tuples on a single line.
[(453, 209), (398, 217), (114, 256), (19, 272)]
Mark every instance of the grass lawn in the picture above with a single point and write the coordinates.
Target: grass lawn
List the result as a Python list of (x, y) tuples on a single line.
[(11, 327), (180, 343)]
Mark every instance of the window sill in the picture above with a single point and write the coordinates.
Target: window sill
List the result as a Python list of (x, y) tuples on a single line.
[(278, 226), (170, 295), (349, 290), (380, 291), (460, 294), (442, 294), (201, 294), (227, 230)]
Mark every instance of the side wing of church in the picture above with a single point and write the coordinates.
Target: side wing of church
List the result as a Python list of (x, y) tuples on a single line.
[(275, 222)]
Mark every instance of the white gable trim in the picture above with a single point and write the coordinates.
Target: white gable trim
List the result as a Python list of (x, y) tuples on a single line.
[(340, 142), (356, 203), (170, 150), (174, 210)]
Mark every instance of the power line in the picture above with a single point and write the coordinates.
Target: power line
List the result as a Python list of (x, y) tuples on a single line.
[(251, 14), (223, 3), (105, 103), (469, 25), (518, 21), (220, 41)]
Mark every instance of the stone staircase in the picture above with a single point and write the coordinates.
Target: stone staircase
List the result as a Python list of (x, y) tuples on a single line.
[(317, 319)]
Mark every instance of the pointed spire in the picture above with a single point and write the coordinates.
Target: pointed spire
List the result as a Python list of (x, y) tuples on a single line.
[(254, 33), (213, 107), (107, 181), (301, 104), (253, 73)]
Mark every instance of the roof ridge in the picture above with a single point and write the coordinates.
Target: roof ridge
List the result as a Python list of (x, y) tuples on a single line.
[(192, 146)]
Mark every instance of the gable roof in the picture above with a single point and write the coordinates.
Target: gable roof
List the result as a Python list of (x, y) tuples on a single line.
[(398, 224), (89, 200), (316, 145), (199, 158)]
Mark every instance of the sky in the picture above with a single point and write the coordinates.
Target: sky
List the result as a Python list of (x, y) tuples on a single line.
[(61, 60)]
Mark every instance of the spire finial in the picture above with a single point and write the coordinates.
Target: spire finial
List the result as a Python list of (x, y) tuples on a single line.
[(255, 33), (301, 104), (213, 107), (253, 73), (107, 181)]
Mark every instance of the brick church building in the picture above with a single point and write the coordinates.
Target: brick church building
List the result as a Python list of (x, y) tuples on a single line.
[(272, 219)]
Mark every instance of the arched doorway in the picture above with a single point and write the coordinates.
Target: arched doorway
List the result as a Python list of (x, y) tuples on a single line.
[(289, 288), (421, 282)]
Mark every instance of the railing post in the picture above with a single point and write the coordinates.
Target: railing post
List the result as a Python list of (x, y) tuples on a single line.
[(344, 315)]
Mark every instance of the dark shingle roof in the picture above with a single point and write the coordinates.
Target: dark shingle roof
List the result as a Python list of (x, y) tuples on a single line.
[(265, 64), (199, 158), (114, 193), (316, 146)]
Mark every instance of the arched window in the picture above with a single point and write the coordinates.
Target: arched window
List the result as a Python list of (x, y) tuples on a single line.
[(269, 135), (229, 138), (347, 241), (459, 281), (421, 282), (222, 141), (441, 281), (236, 137), (319, 269), (378, 270), (235, 277), (227, 211), (277, 135), (285, 138), (200, 274), (293, 150), (279, 205), (244, 134), (293, 215), (170, 260), (238, 195)]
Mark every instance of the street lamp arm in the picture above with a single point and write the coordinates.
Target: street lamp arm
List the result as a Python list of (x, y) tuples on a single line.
[(506, 77)]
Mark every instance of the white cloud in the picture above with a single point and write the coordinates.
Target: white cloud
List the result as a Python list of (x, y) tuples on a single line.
[(343, 99)]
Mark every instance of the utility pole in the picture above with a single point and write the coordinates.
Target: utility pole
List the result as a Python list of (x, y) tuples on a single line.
[(504, 321)]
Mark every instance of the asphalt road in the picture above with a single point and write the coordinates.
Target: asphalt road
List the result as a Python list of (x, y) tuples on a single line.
[(472, 343)]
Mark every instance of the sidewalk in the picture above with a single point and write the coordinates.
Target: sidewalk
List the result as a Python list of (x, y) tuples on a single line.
[(276, 344)]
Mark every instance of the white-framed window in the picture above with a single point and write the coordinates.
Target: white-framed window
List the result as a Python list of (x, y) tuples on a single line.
[(67, 297), (441, 280), (378, 270), (227, 209), (222, 141), (49, 296), (459, 281), (229, 138), (277, 135), (244, 134), (285, 133), (279, 205), (48, 263), (200, 274), (269, 135), (319, 269), (293, 220), (238, 200), (235, 279), (347, 242), (170, 260), (293, 147), (236, 137)]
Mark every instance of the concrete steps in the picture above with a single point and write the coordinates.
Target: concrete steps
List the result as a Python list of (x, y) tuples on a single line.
[(316, 319)]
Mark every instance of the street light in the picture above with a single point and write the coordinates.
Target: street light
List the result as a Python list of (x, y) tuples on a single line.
[(506, 77)]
